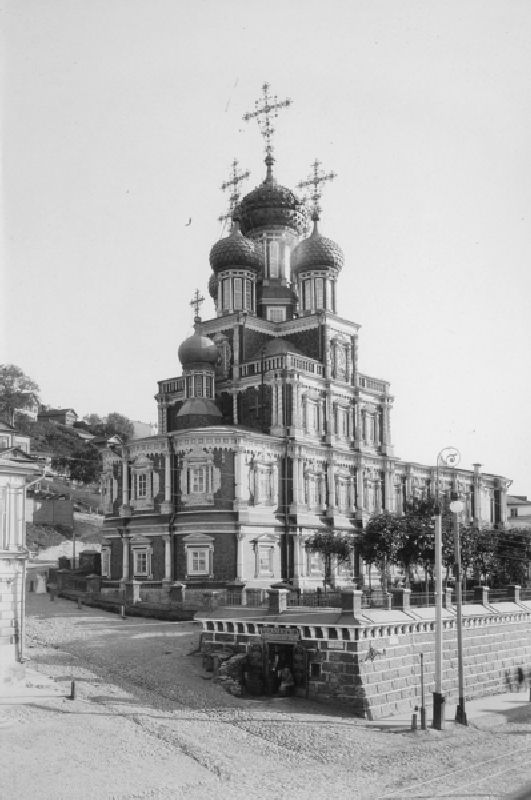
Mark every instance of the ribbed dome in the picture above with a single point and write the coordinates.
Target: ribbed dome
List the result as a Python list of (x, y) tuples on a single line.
[(271, 204), (234, 251), (316, 252), (213, 286), (198, 351)]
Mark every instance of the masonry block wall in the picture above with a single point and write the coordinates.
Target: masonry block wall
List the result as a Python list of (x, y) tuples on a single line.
[(374, 670), (10, 588)]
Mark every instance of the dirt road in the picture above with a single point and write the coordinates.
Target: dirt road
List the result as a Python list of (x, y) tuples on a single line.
[(147, 722)]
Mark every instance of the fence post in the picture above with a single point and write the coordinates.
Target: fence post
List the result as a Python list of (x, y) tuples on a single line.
[(513, 593), (481, 595)]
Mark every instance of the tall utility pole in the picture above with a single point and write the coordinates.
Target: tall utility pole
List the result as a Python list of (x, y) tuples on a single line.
[(449, 457), (456, 507)]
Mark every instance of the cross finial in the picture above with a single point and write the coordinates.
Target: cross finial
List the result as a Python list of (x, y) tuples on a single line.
[(263, 113), (196, 303), (316, 180), (237, 177)]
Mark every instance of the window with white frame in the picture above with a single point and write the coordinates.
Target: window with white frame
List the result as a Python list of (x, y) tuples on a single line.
[(238, 294), (199, 549), (200, 479), (273, 259), (141, 560), (141, 485), (264, 552)]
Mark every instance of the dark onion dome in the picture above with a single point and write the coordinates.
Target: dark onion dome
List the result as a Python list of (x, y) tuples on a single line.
[(316, 252), (198, 351), (271, 204), (235, 251), (213, 286)]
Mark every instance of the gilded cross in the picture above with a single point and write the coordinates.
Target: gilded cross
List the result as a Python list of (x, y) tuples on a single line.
[(316, 180), (237, 177), (196, 303), (267, 107)]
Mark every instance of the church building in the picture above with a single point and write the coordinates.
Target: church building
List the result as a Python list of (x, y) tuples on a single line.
[(270, 434)]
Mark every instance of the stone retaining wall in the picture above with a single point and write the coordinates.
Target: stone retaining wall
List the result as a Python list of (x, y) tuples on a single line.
[(374, 669)]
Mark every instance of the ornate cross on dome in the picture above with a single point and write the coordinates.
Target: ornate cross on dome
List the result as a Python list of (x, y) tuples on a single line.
[(196, 303), (237, 177), (263, 113), (318, 178)]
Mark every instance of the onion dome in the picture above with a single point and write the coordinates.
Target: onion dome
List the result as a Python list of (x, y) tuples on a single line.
[(213, 286), (316, 252), (198, 351), (234, 251), (270, 205)]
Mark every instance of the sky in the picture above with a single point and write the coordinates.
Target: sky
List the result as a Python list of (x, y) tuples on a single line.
[(121, 118)]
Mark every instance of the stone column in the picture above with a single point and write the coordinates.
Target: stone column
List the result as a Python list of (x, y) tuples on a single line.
[(167, 557), (167, 506), (331, 487), (477, 494), (389, 489), (125, 558), (295, 473), (348, 354), (239, 555), (322, 481), (298, 561), (125, 509), (359, 488), (275, 496), (352, 493)]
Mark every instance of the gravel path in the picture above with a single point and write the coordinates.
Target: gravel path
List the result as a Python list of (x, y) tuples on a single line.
[(147, 722)]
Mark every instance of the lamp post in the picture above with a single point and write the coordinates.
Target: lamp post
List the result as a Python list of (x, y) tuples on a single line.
[(456, 507), (449, 457)]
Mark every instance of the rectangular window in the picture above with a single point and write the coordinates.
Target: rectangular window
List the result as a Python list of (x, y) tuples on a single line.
[(265, 560), (273, 260), (106, 563), (198, 386), (226, 293), (276, 314), (514, 512), (141, 486), (198, 480), (307, 295), (238, 294), (198, 561), (319, 294), (141, 562), (249, 295), (208, 387)]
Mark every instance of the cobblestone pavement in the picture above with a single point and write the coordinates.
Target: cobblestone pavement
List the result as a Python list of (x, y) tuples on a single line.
[(147, 722)]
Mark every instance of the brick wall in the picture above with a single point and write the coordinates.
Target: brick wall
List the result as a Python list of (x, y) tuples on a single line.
[(374, 670)]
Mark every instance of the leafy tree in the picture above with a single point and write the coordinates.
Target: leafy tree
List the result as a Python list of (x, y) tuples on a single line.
[(83, 463), (382, 540), (120, 425), (114, 425), (17, 391), (330, 545)]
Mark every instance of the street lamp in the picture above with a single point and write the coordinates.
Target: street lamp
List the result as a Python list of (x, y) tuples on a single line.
[(449, 457), (456, 507)]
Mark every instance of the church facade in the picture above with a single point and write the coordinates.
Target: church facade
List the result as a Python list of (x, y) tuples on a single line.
[(270, 434)]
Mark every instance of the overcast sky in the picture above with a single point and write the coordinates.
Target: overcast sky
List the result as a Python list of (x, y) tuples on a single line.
[(120, 122)]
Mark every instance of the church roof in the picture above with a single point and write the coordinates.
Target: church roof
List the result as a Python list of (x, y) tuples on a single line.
[(235, 251), (316, 252), (198, 351), (270, 205)]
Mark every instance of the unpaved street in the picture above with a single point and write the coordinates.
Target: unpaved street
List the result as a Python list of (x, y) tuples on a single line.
[(147, 722)]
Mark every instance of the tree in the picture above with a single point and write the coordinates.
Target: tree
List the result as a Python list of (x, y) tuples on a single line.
[(120, 425), (330, 545), (114, 424), (382, 540), (17, 391)]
